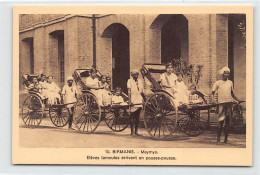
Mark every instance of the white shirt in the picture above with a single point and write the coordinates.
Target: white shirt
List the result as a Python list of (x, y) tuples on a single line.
[(182, 92), (136, 88), (52, 87), (168, 80), (69, 93), (44, 84), (224, 89), (117, 99), (92, 82)]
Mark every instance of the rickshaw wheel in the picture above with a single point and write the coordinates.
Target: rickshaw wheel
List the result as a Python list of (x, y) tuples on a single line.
[(59, 116), (160, 116), (87, 113), (117, 119), (192, 122), (32, 111)]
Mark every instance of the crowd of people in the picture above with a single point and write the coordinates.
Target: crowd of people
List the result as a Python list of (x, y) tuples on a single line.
[(171, 81)]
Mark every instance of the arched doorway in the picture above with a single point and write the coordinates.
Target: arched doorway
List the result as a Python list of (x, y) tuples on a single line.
[(119, 35), (174, 36)]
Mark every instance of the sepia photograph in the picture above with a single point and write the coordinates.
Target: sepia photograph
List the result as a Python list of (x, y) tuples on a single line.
[(132, 83)]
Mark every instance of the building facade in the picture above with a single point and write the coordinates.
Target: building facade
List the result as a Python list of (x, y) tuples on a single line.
[(114, 44)]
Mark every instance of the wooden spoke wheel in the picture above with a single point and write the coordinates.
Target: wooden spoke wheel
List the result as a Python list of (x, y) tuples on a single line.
[(117, 119), (87, 113), (160, 116), (194, 122), (32, 111), (59, 116)]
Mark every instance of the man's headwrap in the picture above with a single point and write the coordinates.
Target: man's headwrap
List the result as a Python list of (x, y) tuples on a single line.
[(221, 71)]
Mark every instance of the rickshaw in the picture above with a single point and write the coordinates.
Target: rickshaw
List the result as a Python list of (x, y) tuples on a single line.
[(162, 115), (89, 111), (35, 106)]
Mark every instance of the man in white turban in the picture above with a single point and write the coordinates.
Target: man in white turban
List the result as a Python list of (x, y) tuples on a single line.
[(224, 88), (223, 70), (135, 94), (69, 94)]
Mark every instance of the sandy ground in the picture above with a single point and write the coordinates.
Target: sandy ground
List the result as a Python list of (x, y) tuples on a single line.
[(47, 135)]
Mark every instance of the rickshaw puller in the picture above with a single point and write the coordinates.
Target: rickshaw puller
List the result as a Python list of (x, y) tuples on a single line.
[(135, 94), (225, 95), (69, 94)]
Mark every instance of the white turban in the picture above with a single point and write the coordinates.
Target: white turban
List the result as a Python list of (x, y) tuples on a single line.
[(224, 69), (69, 78)]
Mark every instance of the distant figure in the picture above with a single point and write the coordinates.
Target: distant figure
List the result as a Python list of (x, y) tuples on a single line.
[(69, 94), (53, 91), (224, 87)]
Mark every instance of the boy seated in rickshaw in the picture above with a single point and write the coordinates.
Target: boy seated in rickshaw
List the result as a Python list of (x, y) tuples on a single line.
[(195, 97), (52, 92), (181, 90), (35, 85), (185, 95), (117, 98), (174, 85), (93, 83)]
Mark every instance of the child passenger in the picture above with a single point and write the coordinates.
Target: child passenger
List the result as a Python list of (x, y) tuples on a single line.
[(105, 91), (103, 83), (117, 99), (181, 90), (35, 86), (195, 96), (53, 91), (92, 82)]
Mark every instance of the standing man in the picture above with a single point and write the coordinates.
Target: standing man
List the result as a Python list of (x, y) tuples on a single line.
[(69, 94), (135, 94), (224, 87)]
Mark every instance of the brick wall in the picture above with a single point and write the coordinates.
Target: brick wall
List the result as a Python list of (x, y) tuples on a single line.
[(207, 42)]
